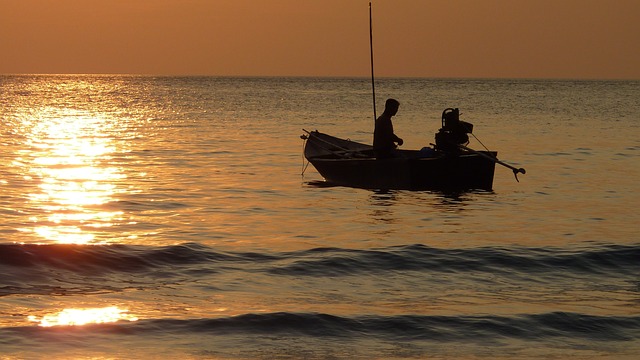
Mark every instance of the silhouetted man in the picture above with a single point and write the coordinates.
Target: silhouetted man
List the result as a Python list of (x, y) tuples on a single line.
[(384, 140)]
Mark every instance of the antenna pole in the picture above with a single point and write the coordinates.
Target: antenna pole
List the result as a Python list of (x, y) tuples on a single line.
[(373, 84)]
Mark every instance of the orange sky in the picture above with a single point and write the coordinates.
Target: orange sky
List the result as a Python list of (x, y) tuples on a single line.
[(422, 38)]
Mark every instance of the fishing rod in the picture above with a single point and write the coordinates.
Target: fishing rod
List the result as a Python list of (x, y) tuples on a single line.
[(373, 83), (495, 160)]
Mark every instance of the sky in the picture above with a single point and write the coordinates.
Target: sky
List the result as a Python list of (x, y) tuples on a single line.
[(570, 39)]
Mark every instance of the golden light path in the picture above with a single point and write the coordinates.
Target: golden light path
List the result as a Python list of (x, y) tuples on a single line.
[(78, 317), (69, 153)]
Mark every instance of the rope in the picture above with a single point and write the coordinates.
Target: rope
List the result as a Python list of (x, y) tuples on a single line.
[(346, 153), (304, 167), (480, 142), (332, 144)]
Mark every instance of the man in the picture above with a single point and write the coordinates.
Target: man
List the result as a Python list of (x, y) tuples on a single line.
[(384, 140)]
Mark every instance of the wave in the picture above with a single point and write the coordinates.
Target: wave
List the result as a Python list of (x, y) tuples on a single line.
[(401, 327), (111, 257), (602, 259), (57, 269)]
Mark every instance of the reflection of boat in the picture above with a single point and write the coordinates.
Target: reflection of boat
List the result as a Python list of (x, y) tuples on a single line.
[(447, 166)]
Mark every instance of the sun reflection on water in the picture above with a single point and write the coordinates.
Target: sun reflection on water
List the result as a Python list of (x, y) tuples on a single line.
[(78, 317), (68, 153)]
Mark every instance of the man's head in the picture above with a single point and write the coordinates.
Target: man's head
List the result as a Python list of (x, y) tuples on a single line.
[(391, 106)]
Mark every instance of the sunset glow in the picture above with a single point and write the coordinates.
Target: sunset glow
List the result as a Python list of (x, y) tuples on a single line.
[(77, 317), (414, 38)]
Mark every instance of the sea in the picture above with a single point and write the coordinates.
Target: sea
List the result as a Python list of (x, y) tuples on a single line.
[(150, 217)]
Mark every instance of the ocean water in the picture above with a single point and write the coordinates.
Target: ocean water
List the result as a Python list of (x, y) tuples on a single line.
[(173, 217)]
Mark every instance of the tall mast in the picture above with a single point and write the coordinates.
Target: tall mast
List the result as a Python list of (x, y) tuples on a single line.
[(373, 84)]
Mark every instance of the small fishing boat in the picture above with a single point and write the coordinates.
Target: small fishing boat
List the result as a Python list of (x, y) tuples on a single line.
[(447, 165)]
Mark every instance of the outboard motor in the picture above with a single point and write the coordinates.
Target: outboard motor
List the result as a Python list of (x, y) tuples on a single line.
[(453, 132)]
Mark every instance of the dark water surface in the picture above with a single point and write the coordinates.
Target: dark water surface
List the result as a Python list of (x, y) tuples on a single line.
[(167, 217)]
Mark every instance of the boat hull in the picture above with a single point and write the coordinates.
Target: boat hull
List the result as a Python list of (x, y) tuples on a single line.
[(352, 164)]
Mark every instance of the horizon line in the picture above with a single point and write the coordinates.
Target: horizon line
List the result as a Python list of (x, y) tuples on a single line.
[(364, 77)]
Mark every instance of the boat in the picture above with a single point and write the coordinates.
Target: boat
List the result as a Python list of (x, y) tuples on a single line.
[(447, 165)]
